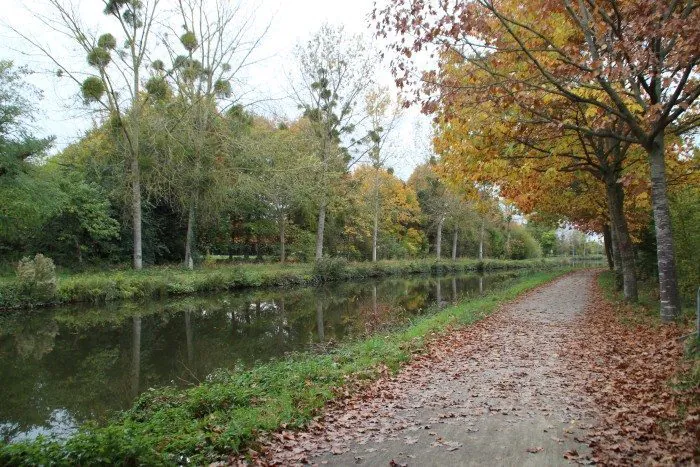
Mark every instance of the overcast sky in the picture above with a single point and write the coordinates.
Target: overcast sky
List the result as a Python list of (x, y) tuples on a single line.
[(63, 115)]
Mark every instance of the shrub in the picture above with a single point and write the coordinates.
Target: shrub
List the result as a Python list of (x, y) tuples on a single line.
[(330, 269), (37, 277)]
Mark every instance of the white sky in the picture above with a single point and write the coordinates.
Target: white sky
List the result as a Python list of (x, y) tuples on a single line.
[(62, 114)]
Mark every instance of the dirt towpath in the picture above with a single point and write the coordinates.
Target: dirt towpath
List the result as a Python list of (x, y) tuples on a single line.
[(499, 392)]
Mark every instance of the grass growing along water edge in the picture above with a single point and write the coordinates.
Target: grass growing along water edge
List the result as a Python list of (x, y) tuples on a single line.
[(161, 282), (226, 413)]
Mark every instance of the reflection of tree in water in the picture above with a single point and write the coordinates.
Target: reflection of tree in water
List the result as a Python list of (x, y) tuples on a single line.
[(89, 360), (36, 338)]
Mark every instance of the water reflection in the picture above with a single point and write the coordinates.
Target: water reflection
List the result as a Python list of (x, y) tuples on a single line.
[(62, 367)]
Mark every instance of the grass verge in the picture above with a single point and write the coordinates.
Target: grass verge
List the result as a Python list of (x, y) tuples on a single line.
[(161, 282), (223, 415)]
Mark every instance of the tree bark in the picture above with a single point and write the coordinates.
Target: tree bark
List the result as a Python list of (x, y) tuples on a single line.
[(481, 242), (616, 196), (607, 239), (668, 281), (136, 212), (283, 240), (617, 261), (320, 229), (438, 239), (189, 239), (455, 237), (375, 229)]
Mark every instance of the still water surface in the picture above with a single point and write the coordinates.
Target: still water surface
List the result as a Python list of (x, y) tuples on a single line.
[(64, 366)]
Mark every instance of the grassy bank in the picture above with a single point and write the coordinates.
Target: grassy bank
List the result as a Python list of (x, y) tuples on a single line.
[(160, 282), (223, 415)]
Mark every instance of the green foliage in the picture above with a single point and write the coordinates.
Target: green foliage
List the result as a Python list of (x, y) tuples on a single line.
[(93, 88), (221, 416), (27, 197), (685, 215), (159, 282), (37, 278), (158, 65), (522, 244), (107, 42), (99, 57), (330, 269), (157, 87), (189, 41), (222, 88)]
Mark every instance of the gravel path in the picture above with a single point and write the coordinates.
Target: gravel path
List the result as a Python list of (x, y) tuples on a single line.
[(500, 392)]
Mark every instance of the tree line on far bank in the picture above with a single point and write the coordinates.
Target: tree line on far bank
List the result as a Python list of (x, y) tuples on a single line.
[(255, 190)]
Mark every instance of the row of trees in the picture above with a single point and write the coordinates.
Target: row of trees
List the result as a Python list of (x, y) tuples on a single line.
[(175, 166), (579, 110), (255, 187)]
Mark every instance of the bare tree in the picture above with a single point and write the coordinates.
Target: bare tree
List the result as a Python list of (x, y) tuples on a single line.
[(334, 72), (383, 117)]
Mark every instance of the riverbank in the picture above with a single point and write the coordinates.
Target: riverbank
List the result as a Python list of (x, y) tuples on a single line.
[(226, 413), (162, 282)]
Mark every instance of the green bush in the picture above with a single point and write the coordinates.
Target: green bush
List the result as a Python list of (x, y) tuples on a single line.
[(685, 215), (37, 278), (329, 269)]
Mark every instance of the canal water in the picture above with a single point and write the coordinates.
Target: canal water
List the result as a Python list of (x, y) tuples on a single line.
[(64, 366)]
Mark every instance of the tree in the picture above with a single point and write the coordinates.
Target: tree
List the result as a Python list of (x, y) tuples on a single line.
[(334, 72), (115, 85), (215, 44), (438, 201), (382, 120), (284, 163), (625, 60), (395, 228), (27, 196)]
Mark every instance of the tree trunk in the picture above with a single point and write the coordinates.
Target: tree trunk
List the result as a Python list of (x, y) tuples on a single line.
[(189, 240), (668, 281), (607, 239), (508, 240), (375, 230), (455, 236), (617, 261), (283, 240), (481, 242), (438, 239), (319, 230), (136, 212), (230, 239), (616, 197)]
